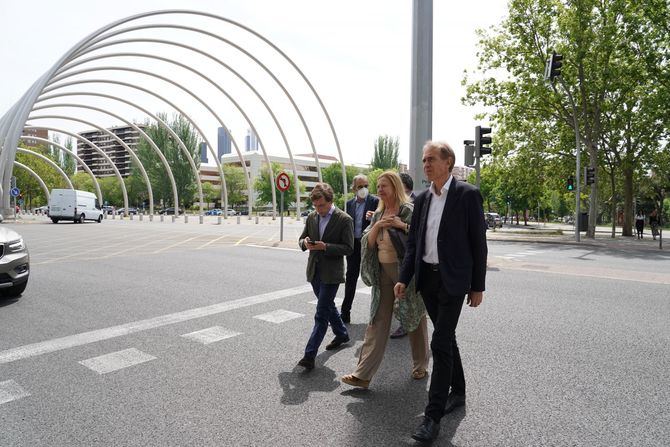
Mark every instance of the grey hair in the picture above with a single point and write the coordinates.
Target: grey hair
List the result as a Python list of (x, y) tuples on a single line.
[(356, 177)]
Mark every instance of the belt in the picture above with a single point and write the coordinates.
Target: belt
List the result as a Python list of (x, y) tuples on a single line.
[(431, 267)]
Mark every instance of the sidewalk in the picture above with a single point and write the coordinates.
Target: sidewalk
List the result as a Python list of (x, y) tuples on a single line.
[(565, 234)]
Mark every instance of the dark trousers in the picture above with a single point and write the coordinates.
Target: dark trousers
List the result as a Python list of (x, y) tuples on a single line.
[(326, 313), (353, 270), (444, 311)]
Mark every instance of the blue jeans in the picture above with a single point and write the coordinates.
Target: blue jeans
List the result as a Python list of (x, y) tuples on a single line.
[(326, 312)]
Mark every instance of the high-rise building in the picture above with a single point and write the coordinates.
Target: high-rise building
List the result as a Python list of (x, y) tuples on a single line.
[(224, 142), (111, 147), (35, 132), (203, 152), (251, 141)]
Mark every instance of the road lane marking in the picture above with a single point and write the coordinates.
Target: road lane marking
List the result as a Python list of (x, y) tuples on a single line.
[(10, 390), (338, 301), (174, 245), (84, 338), (272, 248), (211, 335), (279, 316), (241, 240), (117, 360), (212, 241)]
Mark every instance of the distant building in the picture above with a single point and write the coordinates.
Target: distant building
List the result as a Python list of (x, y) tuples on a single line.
[(111, 147), (250, 142), (462, 172), (223, 142), (35, 132), (203, 152)]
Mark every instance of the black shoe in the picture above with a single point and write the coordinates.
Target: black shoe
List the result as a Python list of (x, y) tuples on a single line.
[(336, 343), (427, 431), (346, 317), (307, 363), (454, 401)]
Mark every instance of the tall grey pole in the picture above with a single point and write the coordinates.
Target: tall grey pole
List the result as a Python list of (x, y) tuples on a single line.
[(421, 116), (577, 153)]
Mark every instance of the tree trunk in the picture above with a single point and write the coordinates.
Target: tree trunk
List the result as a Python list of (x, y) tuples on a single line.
[(627, 202), (614, 203)]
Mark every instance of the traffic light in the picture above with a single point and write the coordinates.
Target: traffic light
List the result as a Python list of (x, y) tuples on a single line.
[(469, 152), (590, 176), (571, 183), (553, 67), (481, 140)]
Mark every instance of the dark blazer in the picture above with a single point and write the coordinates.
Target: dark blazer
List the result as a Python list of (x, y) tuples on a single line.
[(339, 239), (461, 240), (371, 203)]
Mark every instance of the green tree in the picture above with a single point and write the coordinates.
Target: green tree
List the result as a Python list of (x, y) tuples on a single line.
[(181, 169), (31, 190), (236, 185), (385, 153)]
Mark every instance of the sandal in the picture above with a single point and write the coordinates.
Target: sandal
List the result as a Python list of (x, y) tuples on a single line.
[(352, 380), (420, 374)]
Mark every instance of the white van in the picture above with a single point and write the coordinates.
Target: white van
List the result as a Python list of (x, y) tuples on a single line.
[(75, 205)]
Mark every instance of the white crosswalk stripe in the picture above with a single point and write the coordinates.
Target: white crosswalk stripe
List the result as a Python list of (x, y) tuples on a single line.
[(10, 391), (279, 316), (117, 360), (211, 335)]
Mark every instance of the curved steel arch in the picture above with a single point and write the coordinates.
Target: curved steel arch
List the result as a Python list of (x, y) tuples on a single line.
[(137, 129), (118, 140), (76, 63), (36, 177), (95, 148), (49, 161), (160, 121), (81, 162)]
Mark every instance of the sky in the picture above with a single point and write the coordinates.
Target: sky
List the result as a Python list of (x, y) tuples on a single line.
[(355, 53)]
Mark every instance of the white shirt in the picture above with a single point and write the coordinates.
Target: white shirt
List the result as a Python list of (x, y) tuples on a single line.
[(433, 222)]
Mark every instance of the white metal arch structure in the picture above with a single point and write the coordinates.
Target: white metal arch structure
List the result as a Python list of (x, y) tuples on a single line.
[(50, 162), (182, 146), (114, 137), (129, 124), (95, 147), (36, 177), (13, 121), (76, 157)]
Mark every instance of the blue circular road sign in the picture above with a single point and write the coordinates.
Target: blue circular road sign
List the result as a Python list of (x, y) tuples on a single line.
[(14, 192)]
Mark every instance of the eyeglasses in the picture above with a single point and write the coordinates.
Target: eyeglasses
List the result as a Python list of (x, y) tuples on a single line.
[(361, 186)]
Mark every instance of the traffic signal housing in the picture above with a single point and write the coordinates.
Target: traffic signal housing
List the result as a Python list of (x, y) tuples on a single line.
[(571, 183), (553, 67), (590, 176), (481, 140), (469, 152)]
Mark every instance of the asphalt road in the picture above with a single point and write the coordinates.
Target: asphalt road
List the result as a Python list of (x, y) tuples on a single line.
[(106, 347)]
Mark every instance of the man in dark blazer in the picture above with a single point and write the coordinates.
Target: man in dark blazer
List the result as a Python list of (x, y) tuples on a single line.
[(446, 254), (329, 237), (360, 208)]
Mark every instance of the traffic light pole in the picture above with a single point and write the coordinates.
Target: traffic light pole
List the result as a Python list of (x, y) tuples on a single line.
[(577, 156)]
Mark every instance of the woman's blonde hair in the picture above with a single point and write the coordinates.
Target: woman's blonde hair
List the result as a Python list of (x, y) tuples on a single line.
[(400, 196)]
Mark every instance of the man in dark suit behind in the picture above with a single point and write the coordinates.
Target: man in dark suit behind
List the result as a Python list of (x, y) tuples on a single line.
[(446, 254), (329, 236), (360, 208)]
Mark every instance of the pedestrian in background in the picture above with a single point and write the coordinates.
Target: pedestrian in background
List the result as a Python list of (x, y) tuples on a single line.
[(408, 186), (653, 223), (446, 256), (382, 249), (329, 237), (360, 208), (639, 224)]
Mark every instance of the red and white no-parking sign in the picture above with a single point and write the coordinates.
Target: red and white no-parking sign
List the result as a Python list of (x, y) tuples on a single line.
[(283, 182)]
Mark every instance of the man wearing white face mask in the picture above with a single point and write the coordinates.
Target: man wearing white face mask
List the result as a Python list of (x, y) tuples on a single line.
[(360, 208)]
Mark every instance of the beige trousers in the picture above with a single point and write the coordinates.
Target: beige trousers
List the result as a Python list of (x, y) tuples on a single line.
[(377, 332)]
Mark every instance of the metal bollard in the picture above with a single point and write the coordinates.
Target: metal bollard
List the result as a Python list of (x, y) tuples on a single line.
[(174, 218), (106, 215), (238, 220), (162, 217), (130, 215), (141, 215), (113, 216), (200, 218), (151, 217), (218, 220), (256, 219), (185, 218)]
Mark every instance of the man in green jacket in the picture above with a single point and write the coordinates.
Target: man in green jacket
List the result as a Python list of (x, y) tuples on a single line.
[(329, 237)]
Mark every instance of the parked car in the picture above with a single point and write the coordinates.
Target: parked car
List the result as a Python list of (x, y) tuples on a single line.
[(107, 209), (41, 210), (493, 220), (214, 212), (168, 211), (232, 212), (130, 211), (305, 213), (74, 205), (14, 263)]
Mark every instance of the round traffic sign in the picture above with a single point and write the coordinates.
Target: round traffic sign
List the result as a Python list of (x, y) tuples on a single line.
[(14, 192), (283, 182)]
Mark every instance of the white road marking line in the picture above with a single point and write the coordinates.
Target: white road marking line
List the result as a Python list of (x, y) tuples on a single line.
[(279, 316), (117, 360), (338, 301), (211, 335), (10, 390), (174, 245), (84, 338), (212, 241), (272, 248), (241, 240)]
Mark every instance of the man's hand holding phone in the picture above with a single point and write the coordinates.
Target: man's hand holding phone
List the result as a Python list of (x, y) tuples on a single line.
[(314, 245)]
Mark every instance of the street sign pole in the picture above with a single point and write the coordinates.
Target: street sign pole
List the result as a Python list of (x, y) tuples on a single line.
[(283, 182), (281, 218)]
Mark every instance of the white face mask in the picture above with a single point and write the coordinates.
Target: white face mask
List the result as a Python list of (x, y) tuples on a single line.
[(362, 193)]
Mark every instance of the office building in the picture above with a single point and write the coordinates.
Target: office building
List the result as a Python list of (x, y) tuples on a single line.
[(224, 142), (111, 147)]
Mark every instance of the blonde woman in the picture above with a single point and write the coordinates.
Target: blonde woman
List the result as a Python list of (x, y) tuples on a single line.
[(379, 269)]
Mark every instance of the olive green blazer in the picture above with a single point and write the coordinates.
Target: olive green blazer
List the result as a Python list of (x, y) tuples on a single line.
[(339, 239)]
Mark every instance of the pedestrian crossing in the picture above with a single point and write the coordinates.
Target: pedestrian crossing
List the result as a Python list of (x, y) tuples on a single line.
[(520, 255), (112, 362)]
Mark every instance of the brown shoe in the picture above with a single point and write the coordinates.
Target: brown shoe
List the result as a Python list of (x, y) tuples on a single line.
[(420, 374), (352, 380)]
